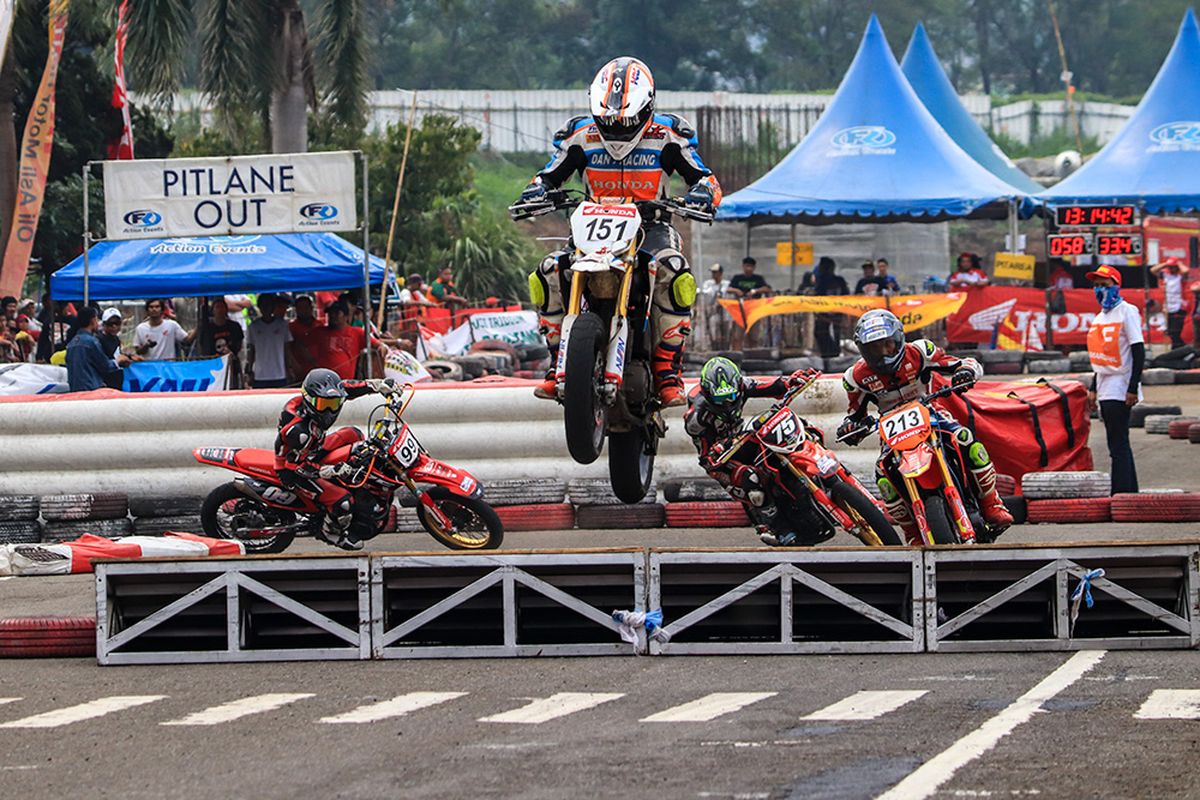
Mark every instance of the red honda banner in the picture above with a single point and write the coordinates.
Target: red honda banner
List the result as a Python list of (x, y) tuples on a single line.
[(1021, 315), (123, 147), (35, 161)]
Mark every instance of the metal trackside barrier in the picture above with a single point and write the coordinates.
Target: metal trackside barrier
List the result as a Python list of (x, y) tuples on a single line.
[(781, 601), (229, 610), (519, 604), (1062, 598)]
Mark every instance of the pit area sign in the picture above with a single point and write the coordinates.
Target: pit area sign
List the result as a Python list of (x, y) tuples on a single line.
[(181, 197)]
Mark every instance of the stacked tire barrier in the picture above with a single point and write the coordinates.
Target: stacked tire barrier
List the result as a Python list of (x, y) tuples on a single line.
[(47, 637), (1066, 497), (1156, 507), (19, 519), (495, 428), (154, 516), (69, 516)]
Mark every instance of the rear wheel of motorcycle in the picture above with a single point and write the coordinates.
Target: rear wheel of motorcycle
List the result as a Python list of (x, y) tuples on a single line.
[(938, 514), (630, 467), (859, 506), (584, 413), (476, 524), (227, 513)]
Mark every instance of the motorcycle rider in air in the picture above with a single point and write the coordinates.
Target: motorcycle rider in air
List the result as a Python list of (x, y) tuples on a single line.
[(714, 417), (625, 151), (309, 461), (892, 372)]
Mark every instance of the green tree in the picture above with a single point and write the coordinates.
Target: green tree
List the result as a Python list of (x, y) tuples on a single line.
[(255, 59)]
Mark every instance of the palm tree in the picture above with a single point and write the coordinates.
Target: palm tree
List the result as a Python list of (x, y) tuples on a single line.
[(254, 57)]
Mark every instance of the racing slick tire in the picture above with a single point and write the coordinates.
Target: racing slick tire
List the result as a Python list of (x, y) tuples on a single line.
[(858, 504), (585, 417), (630, 467), (229, 501), (486, 531)]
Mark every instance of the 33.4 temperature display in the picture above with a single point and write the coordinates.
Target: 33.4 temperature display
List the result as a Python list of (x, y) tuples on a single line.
[(1118, 244)]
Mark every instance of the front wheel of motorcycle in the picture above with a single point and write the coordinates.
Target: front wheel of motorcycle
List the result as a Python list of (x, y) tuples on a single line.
[(863, 511), (228, 513), (938, 514), (474, 525), (630, 466), (584, 413)]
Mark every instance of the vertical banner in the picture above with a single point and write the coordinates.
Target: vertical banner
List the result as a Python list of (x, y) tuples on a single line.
[(123, 147), (34, 161), (6, 20)]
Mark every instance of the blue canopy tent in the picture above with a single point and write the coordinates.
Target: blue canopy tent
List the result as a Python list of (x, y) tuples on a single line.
[(927, 78), (135, 268), (875, 155), (1154, 160)]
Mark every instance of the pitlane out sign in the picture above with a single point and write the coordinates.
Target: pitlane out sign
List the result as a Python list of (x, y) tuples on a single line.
[(180, 197)]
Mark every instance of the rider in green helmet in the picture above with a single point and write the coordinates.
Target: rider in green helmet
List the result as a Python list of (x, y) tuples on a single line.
[(714, 416)]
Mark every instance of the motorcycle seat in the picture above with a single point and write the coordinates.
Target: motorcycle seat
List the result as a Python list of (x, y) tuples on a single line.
[(255, 459)]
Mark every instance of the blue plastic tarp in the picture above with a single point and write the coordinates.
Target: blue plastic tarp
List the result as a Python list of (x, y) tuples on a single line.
[(875, 155), (136, 268), (1155, 158), (927, 78)]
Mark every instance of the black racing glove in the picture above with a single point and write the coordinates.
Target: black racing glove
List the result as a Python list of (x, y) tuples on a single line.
[(962, 379), (699, 197), (851, 431), (535, 192)]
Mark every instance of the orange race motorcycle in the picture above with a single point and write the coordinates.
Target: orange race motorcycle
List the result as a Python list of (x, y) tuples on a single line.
[(259, 511), (930, 464), (813, 490)]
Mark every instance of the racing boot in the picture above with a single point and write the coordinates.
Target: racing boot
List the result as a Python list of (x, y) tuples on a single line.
[(990, 504), (667, 365), (547, 389), (899, 512), (335, 529)]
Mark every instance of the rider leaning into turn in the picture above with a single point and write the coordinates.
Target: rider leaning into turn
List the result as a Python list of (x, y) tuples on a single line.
[(308, 460), (892, 372), (714, 417), (624, 151)]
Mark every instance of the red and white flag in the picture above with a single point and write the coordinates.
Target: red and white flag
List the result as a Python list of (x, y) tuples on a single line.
[(122, 148)]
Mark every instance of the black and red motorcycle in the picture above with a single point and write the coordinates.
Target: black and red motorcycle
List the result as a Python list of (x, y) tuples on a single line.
[(259, 511)]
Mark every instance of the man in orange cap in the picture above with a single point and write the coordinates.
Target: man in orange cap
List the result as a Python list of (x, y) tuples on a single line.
[(1170, 274), (1118, 353)]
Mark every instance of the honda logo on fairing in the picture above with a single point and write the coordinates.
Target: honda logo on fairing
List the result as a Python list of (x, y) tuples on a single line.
[(871, 137), (1174, 136), (143, 218)]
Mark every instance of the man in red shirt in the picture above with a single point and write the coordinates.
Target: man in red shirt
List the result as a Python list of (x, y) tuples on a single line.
[(968, 274), (339, 345), (305, 338)]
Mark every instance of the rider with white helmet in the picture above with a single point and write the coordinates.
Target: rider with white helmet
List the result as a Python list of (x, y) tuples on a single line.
[(625, 151)]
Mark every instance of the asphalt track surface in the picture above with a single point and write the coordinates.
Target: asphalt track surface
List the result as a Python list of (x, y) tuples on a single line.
[(1048, 725)]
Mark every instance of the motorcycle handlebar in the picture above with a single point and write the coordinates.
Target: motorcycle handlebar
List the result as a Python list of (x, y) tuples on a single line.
[(869, 423), (565, 200)]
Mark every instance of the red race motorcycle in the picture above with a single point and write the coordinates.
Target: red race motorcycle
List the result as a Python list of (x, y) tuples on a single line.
[(814, 491), (259, 511)]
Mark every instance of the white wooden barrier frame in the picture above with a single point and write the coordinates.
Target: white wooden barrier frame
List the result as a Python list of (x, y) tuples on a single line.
[(231, 576), (787, 568), (508, 571), (1067, 566)]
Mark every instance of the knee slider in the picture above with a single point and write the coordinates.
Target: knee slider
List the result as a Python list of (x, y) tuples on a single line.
[(538, 290), (978, 456), (964, 436), (887, 490)]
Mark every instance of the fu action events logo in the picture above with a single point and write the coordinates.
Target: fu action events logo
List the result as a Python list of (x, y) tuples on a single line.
[(1175, 137), (863, 140)]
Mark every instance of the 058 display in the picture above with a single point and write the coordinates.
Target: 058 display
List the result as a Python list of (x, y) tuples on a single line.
[(1066, 245)]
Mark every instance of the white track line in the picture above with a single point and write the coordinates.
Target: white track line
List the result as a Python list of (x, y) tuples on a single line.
[(926, 779), (1171, 704), (396, 707), (236, 709), (866, 705), (552, 707), (708, 707), (6, 700), (89, 710)]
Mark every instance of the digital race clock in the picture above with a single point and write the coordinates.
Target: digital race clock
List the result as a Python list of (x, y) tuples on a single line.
[(1065, 245), (1091, 216)]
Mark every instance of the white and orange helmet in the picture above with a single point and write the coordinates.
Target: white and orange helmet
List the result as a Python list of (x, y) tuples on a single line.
[(622, 102)]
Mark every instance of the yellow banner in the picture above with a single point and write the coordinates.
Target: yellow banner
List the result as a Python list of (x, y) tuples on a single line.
[(788, 254), (1014, 265), (35, 161), (914, 310)]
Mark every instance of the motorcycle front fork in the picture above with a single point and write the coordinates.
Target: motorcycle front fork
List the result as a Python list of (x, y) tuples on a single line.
[(966, 532)]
